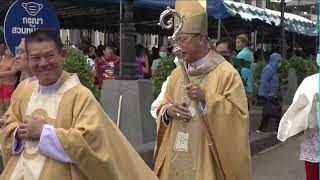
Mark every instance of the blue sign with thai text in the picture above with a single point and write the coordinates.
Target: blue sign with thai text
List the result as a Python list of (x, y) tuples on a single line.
[(26, 16)]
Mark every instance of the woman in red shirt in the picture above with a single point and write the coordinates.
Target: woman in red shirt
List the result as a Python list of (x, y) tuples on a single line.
[(7, 80), (107, 65)]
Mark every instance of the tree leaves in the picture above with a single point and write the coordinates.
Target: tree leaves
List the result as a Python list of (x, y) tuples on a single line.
[(160, 75), (76, 63)]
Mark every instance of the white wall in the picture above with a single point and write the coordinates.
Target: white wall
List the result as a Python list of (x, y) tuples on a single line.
[(73, 35)]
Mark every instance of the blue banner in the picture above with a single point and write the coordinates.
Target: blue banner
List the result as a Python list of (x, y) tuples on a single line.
[(24, 17)]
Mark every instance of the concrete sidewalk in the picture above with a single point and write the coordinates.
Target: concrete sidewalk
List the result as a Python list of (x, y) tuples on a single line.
[(280, 162), (260, 142)]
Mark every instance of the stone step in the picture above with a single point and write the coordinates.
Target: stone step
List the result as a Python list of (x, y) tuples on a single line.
[(255, 115), (260, 142)]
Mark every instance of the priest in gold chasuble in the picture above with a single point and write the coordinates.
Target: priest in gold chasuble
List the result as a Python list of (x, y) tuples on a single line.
[(216, 90), (58, 131)]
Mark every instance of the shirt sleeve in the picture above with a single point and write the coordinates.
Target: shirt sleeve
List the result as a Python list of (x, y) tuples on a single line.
[(203, 105), (155, 105), (17, 144), (49, 145), (165, 116)]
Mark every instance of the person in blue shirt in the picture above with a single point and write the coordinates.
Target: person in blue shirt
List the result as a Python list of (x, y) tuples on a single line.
[(269, 85), (269, 79), (246, 58)]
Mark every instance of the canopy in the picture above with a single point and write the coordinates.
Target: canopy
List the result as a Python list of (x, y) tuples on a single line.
[(293, 23), (216, 8), (104, 14), (221, 9)]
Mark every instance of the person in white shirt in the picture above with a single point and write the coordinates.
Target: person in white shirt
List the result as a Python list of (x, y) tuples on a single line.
[(90, 61), (302, 115)]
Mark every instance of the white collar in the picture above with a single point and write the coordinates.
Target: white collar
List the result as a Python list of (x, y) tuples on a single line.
[(51, 89), (198, 63)]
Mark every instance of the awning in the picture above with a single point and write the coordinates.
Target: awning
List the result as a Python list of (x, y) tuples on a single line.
[(293, 23), (221, 9), (215, 8), (104, 14)]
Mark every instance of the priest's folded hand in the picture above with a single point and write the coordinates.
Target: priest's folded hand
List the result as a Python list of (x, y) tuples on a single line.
[(31, 128), (179, 111), (3, 119), (195, 92), (1, 123)]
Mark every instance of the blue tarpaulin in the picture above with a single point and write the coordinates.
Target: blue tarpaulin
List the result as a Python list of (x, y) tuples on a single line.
[(215, 8), (220, 9)]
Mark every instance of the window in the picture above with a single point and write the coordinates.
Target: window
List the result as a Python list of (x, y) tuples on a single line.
[(248, 1), (259, 4)]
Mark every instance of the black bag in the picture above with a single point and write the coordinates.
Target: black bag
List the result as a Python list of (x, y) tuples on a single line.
[(271, 113)]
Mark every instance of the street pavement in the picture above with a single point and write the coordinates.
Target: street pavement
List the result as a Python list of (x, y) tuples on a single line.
[(280, 162)]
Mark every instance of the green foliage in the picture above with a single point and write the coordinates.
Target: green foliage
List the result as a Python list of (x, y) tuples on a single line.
[(76, 63), (257, 75), (160, 75), (303, 69), (283, 75)]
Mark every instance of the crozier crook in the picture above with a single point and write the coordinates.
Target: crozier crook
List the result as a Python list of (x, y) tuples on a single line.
[(168, 25)]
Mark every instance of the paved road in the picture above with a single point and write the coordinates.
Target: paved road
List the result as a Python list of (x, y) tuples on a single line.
[(280, 162)]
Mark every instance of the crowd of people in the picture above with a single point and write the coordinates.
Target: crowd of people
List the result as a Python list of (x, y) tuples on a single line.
[(105, 60)]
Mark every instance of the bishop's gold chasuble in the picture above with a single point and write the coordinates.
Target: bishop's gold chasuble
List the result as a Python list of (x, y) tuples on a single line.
[(182, 150)]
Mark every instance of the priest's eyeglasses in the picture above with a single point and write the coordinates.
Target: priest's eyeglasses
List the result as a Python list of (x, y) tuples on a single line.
[(183, 39), (19, 51)]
